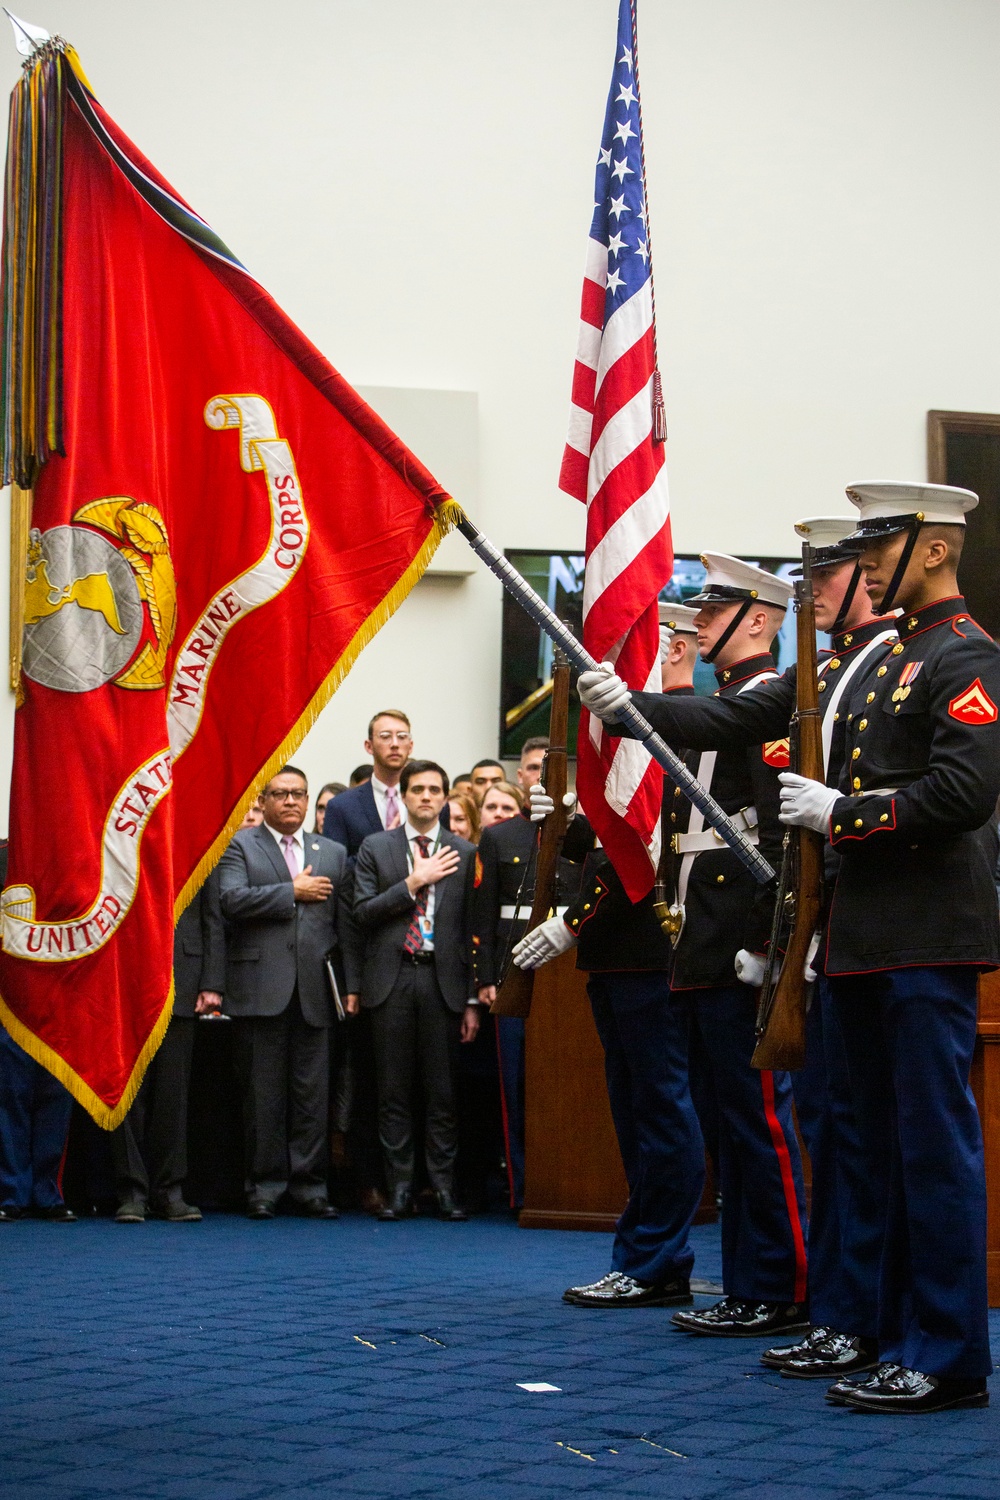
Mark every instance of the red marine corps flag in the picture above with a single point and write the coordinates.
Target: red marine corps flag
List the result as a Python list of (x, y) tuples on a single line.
[(213, 526), (614, 464)]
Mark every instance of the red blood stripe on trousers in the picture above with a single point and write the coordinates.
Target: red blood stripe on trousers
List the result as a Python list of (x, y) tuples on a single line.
[(787, 1183), (625, 379), (627, 482), (504, 1115)]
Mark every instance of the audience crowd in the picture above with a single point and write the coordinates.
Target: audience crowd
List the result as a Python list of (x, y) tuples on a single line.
[(340, 936)]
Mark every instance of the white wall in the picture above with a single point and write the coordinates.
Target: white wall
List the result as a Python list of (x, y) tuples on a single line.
[(412, 182)]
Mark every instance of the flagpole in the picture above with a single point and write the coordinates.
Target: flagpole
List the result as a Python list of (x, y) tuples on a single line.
[(629, 716)]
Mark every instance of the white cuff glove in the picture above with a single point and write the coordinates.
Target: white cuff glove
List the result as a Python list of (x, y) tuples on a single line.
[(809, 972), (805, 803), (546, 941), (750, 968), (602, 692), (540, 804)]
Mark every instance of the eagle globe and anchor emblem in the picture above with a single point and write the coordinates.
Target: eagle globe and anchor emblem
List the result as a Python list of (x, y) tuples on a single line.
[(89, 590)]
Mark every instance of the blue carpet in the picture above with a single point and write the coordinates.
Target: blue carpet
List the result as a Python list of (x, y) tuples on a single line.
[(227, 1361)]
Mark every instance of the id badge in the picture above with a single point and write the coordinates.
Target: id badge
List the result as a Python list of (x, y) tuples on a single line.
[(427, 929)]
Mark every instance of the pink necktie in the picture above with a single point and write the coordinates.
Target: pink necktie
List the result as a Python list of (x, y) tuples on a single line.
[(391, 809), (288, 844)]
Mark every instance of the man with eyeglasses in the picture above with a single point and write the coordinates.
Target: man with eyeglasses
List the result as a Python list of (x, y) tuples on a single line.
[(376, 804), (281, 890)]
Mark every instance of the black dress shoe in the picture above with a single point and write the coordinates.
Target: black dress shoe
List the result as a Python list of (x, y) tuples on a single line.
[(625, 1291), (59, 1214), (317, 1208), (259, 1208), (400, 1206), (448, 1209), (840, 1354), (174, 1210), (910, 1393), (774, 1359), (839, 1392), (10, 1215), (733, 1318)]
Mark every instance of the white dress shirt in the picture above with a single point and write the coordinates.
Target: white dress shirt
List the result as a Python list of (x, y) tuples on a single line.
[(298, 844), (381, 794), (433, 834)]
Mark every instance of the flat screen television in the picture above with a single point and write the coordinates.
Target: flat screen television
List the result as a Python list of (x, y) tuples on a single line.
[(526, 653)]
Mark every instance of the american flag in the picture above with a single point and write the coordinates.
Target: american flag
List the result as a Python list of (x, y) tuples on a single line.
[(614, 463)]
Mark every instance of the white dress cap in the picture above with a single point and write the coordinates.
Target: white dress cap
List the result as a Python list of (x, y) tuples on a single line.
[(678, 617), (729, 578), (826, 536), (891, 507), (675, 619)]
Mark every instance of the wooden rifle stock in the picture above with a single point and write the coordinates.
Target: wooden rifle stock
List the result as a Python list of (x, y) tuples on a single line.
[(781, 1021), (515, 988)]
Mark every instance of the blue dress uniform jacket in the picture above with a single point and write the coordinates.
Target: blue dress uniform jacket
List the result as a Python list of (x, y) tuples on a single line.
[(614, 935), (921, 777), (726, 909)]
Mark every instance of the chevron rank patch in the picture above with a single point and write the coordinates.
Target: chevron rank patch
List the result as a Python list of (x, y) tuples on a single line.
[(776, 753), (974, 706)]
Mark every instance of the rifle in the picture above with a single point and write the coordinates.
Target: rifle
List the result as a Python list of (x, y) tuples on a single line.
[(781, 1014), (515, 988)]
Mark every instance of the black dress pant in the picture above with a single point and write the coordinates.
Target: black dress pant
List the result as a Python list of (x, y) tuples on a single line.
[(414, 1031), (149, 1148), (284, 1069)]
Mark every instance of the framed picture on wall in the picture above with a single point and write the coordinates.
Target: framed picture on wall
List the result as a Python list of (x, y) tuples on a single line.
[(526, 653)]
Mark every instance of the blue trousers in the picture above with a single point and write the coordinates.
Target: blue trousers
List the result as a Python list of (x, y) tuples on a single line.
[(909, 1036), (643, 1031), (847, 1216), (760, 1168), (35, 1111), (510, 1050)]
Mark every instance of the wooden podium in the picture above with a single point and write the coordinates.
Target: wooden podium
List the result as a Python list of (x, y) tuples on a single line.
[(986, 1086), (573, 1171)]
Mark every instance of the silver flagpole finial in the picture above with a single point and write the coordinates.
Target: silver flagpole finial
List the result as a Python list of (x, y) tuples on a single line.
[(27, 38)]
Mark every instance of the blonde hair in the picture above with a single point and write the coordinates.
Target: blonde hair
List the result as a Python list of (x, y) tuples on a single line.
[(469, 807)]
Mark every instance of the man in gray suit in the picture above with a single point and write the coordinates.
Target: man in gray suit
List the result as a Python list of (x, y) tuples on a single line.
[(409, 960), (149, 1148), (280, 897)]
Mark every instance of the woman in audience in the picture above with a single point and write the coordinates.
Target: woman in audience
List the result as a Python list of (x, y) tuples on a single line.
[(326, 794), (464, 816), (501, 802)]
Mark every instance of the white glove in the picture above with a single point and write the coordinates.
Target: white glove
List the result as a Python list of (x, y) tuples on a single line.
[(809, 973), (805, 803), (540, 804), (601, 691), (546, 941), (750, 968)]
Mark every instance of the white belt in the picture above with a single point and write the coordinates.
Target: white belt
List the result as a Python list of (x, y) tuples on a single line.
[(700, 843), (523, 913)]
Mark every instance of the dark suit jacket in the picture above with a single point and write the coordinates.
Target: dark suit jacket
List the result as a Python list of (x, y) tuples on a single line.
[(276, 942), (352, 816), (199, 948), (383, 908)]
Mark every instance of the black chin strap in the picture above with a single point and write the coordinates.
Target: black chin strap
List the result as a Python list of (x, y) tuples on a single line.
[(889, 601), (847, 601), (733, 625)]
